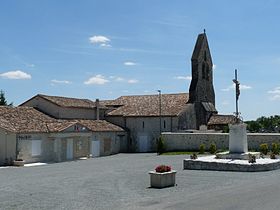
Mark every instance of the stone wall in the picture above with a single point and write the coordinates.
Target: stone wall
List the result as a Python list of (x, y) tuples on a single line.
[(191, 141)]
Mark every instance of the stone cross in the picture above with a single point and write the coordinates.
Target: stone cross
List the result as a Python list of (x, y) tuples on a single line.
[(237, 93)]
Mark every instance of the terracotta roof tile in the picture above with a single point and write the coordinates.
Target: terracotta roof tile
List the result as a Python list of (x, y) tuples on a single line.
[(69, 102), (148, 105), (99, 125), (218, 119), (29, 120)]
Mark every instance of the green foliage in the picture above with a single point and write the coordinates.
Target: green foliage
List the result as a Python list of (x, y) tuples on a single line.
[(3, 101), (275, 148), (212, 148), (193, 156), (225, 129), (264, 124), (264, 149), (272, 156), (252, 158), (202, 149), (160, 145)]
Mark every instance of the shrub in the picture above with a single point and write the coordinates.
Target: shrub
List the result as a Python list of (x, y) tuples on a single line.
[(201, 149), (212, 148), (272, 156), (193, 156), (252, 158), (160, 145), (163, 168), (264, 149), (275, 148)]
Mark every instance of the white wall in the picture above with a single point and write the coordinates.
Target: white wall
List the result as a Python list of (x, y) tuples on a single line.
[(7, 146)]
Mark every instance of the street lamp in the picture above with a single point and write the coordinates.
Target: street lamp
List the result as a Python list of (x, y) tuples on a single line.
[(159, 96)]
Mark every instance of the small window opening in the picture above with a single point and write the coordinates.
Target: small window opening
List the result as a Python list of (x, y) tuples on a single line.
[(164, 124), (143, 124), (203, 71)]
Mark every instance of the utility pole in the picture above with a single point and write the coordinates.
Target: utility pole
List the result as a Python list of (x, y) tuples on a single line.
[(159, 95)]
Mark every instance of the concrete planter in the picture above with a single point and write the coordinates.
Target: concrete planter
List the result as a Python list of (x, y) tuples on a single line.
[(161, 180), (18, 162)]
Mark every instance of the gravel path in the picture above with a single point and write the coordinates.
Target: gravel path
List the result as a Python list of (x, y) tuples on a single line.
[(122, 182)]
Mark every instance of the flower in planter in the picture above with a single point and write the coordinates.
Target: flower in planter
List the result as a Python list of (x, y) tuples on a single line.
[(163, 168)]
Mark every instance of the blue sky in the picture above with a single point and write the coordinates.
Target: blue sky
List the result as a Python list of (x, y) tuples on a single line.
[(105, 49)]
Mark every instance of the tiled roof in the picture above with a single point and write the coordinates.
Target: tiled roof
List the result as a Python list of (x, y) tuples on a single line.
[(23, 119), (221, 119), (69, 102), (29, 120), (99, 125), (148, 105)]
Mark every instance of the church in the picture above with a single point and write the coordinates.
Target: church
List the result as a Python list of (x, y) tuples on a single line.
[(144, 117), (67, 128)]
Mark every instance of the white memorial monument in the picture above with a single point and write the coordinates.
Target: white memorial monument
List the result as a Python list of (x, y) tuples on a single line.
[(238, 144)]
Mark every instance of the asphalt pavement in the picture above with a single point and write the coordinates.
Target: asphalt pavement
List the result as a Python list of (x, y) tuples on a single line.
[(122, 182)]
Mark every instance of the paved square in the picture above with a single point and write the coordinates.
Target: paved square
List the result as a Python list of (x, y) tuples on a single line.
[(122, 182)]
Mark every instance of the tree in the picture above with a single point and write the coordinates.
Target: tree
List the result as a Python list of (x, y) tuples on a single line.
[(3, 101)]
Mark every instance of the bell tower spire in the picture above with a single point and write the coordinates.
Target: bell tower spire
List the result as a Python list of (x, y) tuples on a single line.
[(201, 88)]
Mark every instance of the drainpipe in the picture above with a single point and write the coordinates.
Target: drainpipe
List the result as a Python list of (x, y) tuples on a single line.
[(97, 108)]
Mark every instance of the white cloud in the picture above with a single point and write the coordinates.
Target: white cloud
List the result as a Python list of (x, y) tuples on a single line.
[(105, 45), (132, 81), (96, 80), (61, 81), (99, 39), (18, 74), (183, 77), (129, 63), (242, 87), (275, 94)]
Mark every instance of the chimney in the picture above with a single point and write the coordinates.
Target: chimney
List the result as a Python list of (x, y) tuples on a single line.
[(97, 108)]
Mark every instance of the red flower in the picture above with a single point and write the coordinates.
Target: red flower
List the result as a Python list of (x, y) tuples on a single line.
[(163, 168)]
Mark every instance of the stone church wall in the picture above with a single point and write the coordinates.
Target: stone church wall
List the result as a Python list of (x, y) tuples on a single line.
[(191, 141)]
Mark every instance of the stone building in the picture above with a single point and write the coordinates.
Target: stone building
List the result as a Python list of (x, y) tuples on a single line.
[(201, 103), (140, 115), (144, 117), (33, 136)]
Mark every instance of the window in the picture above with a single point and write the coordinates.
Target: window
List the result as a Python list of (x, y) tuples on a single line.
[(203, 71), (164, 124), (205, 57), (143, 124), (208, 73), (36, 147)]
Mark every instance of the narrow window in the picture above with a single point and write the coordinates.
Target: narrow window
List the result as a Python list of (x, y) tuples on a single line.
[(143, 124), (208, 73), (205, 57), (203, 71), (164, 124)]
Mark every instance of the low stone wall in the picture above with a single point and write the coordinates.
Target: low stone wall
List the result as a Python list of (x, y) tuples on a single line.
[(191, 141)]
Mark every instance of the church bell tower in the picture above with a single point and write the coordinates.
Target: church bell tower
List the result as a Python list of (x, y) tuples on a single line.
[(201, 91), (201, 88)]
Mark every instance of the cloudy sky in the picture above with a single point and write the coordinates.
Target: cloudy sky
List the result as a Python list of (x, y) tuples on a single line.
[(105, 49)]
